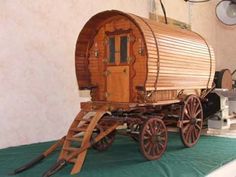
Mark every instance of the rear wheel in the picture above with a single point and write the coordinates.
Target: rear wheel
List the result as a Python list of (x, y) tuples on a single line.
[(191, 121), (104, 143)]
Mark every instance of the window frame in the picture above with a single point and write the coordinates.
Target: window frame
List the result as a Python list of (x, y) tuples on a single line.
[(117, 37)]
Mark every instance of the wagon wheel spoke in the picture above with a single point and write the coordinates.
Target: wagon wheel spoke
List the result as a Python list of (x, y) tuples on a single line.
[(184, 129), (193, 135), (150, 149), (153, 138), (191, 119), (146, 137), (161, 145), (188, 132), (188, 136), (148, 132), (199, 120), (195, 132), (188, 111), (191, 106), (162, 134), (198, 127), (162, 141), (186, 121), (152, 128), (147, 145), (197, 113), (197, 107), (156, 149), (158, 129)]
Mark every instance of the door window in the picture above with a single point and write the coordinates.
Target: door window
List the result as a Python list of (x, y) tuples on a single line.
[(118, 48), (112, 50), (123, 49)]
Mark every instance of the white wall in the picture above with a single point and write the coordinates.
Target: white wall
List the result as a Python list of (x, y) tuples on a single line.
[(226, 46), (38, 92)]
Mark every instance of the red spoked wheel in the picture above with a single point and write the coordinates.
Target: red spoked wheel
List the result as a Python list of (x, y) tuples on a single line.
[(153, 138), (191, 121)]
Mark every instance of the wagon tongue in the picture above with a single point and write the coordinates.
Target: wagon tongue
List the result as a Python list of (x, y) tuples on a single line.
[(28, 165), (55, 168)]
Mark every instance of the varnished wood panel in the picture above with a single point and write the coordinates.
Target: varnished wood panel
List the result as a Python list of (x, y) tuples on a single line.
[(118, 84), (98, 65), (184, 59)]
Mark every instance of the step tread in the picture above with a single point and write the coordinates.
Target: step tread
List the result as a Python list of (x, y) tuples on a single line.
[(74, 139), (79, 129), (70, 149), (86, 120)]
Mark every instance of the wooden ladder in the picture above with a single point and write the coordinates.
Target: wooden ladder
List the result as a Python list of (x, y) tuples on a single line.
[(76, 145)]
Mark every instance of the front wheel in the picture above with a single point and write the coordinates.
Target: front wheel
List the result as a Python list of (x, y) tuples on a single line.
[(153, 138)]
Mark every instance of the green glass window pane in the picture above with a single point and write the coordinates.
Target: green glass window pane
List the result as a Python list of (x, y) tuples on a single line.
[(111, 50), (123, 49)]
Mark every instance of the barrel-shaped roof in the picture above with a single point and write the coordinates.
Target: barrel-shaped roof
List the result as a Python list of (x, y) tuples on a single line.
[(177, 58)]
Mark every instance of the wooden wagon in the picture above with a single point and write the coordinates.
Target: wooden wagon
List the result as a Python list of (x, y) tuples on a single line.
[(142, 75)]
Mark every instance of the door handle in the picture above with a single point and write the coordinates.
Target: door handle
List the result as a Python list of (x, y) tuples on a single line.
[(125, 71)]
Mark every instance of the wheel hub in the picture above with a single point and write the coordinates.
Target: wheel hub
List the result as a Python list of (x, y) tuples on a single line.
[(193, 121), (155, 138)]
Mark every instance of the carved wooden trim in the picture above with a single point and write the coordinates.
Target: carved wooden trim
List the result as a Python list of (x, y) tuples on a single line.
[(118, 32)]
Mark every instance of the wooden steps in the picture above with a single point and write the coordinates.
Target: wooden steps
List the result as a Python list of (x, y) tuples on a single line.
[(75, 147)]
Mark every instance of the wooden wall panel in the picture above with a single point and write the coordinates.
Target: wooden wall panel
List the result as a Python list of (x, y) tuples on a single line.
[(152, 53), (97, 66)]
